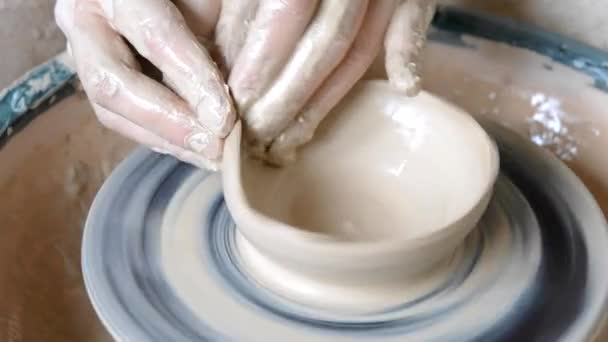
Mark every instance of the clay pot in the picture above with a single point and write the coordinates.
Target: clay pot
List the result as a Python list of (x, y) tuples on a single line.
[(387, 190)]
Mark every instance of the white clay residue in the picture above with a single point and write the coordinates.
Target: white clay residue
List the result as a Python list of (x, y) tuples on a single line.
[(553, 128)]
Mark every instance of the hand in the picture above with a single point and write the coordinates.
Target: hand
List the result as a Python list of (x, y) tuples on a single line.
[(300, 58), (188, 116), (287, 71)]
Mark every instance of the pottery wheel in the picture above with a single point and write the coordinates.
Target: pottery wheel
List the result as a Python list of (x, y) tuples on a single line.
[(534, 269)]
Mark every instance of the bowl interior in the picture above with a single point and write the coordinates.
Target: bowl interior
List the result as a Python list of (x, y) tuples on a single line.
[(382, 165)]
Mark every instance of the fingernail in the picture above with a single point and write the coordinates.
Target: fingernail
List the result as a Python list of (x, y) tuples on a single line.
[(214, 121), (159, 150), (243, 89), (217, 114), (204, 143), (243, 98)]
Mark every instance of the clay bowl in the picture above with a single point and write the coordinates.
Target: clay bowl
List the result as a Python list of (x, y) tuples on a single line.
[(386, 191)]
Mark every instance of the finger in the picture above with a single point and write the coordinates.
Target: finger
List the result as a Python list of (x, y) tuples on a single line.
[(201, 18), (277, 27), (201, 15), (366, 46), (404, 40), (108, 72), (232, 28), (158, 32), (320, 50), (142, 136)]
